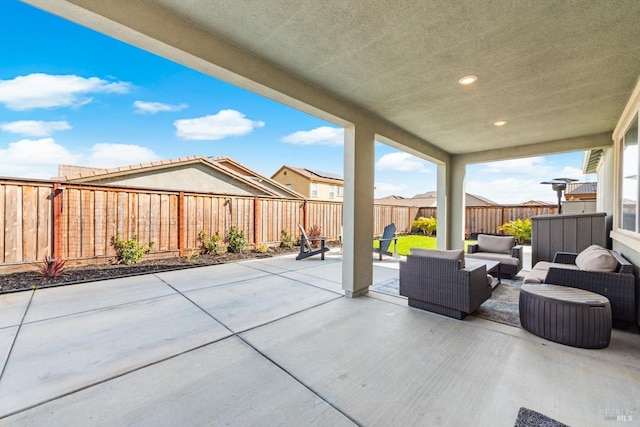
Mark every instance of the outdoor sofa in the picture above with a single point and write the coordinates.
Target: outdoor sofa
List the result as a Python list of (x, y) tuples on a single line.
[(438, 281), (498, 248), (595, 269)]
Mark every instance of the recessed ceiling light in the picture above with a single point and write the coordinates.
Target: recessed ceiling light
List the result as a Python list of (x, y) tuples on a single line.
[(500, 123), (467, 80)]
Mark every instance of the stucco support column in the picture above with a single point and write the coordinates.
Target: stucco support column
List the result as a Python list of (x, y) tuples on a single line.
[(443, 187), (451, 204), (357, 260)]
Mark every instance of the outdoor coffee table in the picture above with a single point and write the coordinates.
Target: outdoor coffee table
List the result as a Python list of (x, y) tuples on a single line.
[(492, 266), (566, 315)]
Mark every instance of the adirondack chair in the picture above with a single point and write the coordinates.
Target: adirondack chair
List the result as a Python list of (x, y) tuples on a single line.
[(388, 236), (306, 249)]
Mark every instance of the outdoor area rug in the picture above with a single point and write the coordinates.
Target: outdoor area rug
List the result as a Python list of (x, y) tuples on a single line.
[(502, 307), (530, 418)]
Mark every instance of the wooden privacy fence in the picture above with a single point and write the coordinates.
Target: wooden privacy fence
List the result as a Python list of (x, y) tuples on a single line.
[(76, 222), (487, 219)]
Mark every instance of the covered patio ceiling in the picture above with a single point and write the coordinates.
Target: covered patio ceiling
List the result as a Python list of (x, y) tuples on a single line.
[(553, 70)]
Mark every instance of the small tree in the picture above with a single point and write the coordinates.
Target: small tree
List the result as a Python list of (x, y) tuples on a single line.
[(236, 240), (286, 239), (211, 245), (427, 225), (519, 228), (130, 251)]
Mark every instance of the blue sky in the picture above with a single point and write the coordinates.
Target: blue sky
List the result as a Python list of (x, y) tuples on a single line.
[(69, 95)]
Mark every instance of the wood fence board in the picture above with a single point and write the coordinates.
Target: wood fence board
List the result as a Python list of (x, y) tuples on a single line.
[(154, 219), (99, 222), (173, 222), (133, 216), (123, 217), (73, 214), (87, 226), (3, 223), (44, 230), (29, 223), (13, 224), (111, 221), (144, 218)]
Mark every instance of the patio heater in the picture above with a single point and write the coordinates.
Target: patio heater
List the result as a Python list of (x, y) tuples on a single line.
[(559, 185)]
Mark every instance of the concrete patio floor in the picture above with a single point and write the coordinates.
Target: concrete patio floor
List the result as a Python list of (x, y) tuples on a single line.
[(275, 342)]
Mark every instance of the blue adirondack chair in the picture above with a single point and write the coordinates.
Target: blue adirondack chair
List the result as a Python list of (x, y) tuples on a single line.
[(388, 236)]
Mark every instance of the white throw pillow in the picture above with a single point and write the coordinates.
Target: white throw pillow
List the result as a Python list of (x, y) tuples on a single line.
[(596, 258)]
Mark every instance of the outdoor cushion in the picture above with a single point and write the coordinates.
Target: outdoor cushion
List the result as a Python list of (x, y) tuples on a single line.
[(596, 258), (497, 244), (445, 254), (503, 258), (539, 272)]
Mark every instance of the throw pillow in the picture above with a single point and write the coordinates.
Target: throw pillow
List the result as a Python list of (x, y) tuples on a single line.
[(496, 244), (446, 254), (596, 258)]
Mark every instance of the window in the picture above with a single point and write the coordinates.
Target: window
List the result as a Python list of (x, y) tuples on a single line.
[(332, 191), (630, 188), (288, 186), (340, 191), (314, 189)]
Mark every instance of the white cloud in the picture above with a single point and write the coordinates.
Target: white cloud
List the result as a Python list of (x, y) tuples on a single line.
[(384, 189), (143, 107), (112, 155), (526, 166), (49, 91), (401, 162), (40, 158), (323, 135), (34, 127), (34, 158), (217, 126)]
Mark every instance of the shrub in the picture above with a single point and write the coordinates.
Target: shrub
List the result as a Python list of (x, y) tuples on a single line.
[(236, 240), (262, 248), (211, 245), (51, 267), (519, 228), (191, 256), (286, 239), (129, 251), (314, 231), (427, 225)]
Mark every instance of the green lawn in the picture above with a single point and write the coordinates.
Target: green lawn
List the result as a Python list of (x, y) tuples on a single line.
[(405, 243)]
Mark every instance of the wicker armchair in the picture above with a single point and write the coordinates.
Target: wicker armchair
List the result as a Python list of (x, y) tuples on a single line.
[(618, 286), (498, 248), (442, 286)]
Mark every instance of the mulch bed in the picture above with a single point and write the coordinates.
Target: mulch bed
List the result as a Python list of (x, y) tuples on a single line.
[(33, 279)]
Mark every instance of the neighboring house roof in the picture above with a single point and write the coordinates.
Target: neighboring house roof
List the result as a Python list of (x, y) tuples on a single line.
[(470, 199), (430, 198), (575, 188), (537, 202), (245, 171), (581, 191), (224, 165), (314, 175)]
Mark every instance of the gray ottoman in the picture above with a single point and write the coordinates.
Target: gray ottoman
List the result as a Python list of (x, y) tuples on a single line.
[(566, 315)]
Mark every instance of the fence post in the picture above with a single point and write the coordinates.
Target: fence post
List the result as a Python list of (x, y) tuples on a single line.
[(305, 215), (57, 221), (256, 220), (181, 217)]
